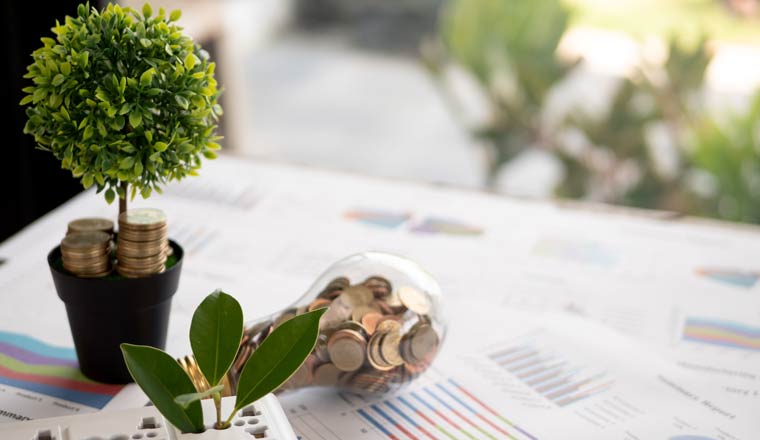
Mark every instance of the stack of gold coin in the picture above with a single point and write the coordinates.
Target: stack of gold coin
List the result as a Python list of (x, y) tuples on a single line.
[(87, 254), (90, 225), (371, 336), (142, 244)]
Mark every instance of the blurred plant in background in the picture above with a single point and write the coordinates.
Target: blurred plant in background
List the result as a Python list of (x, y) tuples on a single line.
[(728, 152), (653, 146)]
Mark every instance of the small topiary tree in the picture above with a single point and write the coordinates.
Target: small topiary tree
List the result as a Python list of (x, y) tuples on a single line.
[(123, 99)]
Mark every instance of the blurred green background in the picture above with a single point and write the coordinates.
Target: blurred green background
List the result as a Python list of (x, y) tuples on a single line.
[(657, 143)]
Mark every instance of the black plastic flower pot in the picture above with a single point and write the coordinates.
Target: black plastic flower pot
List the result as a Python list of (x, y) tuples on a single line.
[(104, 312)]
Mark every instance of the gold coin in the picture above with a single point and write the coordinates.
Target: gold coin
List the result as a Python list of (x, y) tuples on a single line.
[(388, 324), (359, 311), (347, 350), (142, 218), (327, 375), (370, 321), (357, 296), (414, 300), (151, 261), (130, 272), (100, 254), (423, 342), (141, 236), (338, 283), (139, 250), (373, 353), (372, 382), (86, 255), (379, 286), (95, 275), (389, 348), (337, 313), (355, 326), (91, 224), (94, 267), (85, 241), (320, 348)]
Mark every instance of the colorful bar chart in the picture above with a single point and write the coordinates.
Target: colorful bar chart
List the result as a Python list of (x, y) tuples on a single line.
[(443, 410), (550, 374), (29, 364), (444, 226), (379, 218), (735, 278), (721, 333)]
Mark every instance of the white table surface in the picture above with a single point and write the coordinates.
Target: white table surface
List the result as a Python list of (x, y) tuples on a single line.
[(264, 231)]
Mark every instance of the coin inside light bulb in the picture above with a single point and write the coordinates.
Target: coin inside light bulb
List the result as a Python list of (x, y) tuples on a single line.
[(383, 326)]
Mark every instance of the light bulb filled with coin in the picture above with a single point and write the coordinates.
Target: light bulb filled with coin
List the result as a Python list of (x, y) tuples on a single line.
[(383, 326)]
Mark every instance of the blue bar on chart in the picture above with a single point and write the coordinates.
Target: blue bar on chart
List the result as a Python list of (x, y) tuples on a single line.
[(550, 374), (444, 410)]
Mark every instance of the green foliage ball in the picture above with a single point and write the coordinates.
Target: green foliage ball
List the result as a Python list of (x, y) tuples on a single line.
[(121, 96)]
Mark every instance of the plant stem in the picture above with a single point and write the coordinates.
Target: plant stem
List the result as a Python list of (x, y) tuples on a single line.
[(229, 419), (218, 404), (123, 200)]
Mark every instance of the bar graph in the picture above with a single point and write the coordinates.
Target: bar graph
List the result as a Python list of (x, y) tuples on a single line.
[(446, 226), (721, 333), (29, 364), (379, 218), (552, 374), (442, 410), (731, 277)]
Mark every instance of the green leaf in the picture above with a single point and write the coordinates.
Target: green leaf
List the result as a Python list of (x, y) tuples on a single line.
[(65, 68), (190, 61), (182, 102), (110, 196), (127, 162), (26, 100), (145, 42), (84, 59), (88, 132), (215, 333), (175, 15), (160, 146), (58, 79), (117, 123), (138, 168), (39, 95), (162, 379), (147, 11), (55, 100), (278, 357), (135, 118), (147, 77), (87, 180), (185, 400)]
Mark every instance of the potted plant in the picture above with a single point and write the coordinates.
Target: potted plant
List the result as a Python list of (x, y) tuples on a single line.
[(216, 331), (127, 102)]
